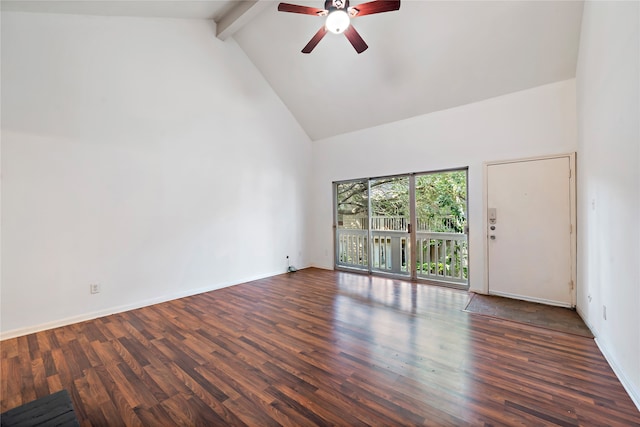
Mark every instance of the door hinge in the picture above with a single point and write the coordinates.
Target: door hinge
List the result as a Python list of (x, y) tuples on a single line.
[(570, 228), (571, 286)]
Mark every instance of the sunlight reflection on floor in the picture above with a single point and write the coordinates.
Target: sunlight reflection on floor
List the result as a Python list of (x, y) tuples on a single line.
[(395, 339)]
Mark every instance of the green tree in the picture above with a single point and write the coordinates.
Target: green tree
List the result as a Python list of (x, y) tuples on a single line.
[(440, 200), (390, 197)]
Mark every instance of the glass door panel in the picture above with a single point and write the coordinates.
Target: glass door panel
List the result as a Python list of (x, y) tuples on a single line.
[(352, 224), (389, 223), (441, 232)]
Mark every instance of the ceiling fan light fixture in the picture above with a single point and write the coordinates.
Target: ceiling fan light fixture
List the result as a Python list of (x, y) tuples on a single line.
[(337, 21)]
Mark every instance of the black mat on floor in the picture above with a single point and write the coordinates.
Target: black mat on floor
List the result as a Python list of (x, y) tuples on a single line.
[(545, 316), (53, 410)]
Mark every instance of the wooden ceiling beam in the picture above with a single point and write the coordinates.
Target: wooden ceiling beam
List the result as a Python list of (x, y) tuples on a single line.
[(239, 16)]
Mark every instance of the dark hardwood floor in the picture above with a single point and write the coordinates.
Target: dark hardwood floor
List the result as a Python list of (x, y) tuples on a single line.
[(316, 348)]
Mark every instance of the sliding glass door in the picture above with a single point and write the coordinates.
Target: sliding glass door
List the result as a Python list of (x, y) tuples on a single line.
[(412, 226)]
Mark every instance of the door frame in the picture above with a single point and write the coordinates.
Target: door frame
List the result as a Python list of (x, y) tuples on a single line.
[(572, 208)]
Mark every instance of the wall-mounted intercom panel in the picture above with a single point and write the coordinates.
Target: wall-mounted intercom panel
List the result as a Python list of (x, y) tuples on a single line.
[(493, 216)]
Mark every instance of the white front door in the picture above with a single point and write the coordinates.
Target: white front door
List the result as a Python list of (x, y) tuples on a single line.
[(529, 230)]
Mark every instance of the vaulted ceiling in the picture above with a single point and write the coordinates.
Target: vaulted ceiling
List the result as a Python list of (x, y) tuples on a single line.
[(426, 57)]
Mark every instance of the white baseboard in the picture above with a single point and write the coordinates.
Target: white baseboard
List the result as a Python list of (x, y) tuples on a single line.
[(634, 393), (322, 267), (530, 299), (119, 309)]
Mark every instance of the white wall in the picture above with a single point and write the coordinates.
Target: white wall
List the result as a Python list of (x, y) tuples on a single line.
[(141, 154), (608, 93), (534, 122)]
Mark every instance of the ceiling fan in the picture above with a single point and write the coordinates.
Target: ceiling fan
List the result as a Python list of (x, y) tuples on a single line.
[(339, 15)]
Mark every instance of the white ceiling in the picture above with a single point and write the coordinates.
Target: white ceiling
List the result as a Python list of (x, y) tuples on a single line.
[(186, 9), (426, 57)]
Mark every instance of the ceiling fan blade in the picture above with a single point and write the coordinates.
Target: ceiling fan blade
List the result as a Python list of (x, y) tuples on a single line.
[(372, 7), (315, 40), (294, 8), (355, 39)]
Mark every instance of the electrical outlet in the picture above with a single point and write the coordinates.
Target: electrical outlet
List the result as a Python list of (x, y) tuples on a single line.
[(604, 312), (94, 288)]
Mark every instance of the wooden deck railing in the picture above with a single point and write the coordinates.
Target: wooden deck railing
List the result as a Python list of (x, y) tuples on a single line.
[(399, 223), (440, 256), (443, 256)]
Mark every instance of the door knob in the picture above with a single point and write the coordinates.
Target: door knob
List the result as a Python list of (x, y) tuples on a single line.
[(492, 237)]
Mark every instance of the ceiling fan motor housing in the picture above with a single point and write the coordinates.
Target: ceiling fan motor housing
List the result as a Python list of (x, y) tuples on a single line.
[(332, 5)]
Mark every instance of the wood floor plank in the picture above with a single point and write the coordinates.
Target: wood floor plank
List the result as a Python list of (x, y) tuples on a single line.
[(89, 393), (11, 383), (117, 397), (9, 348), (39, 378), (54, 384), (316, 348), (178, 410), (250, 412)]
